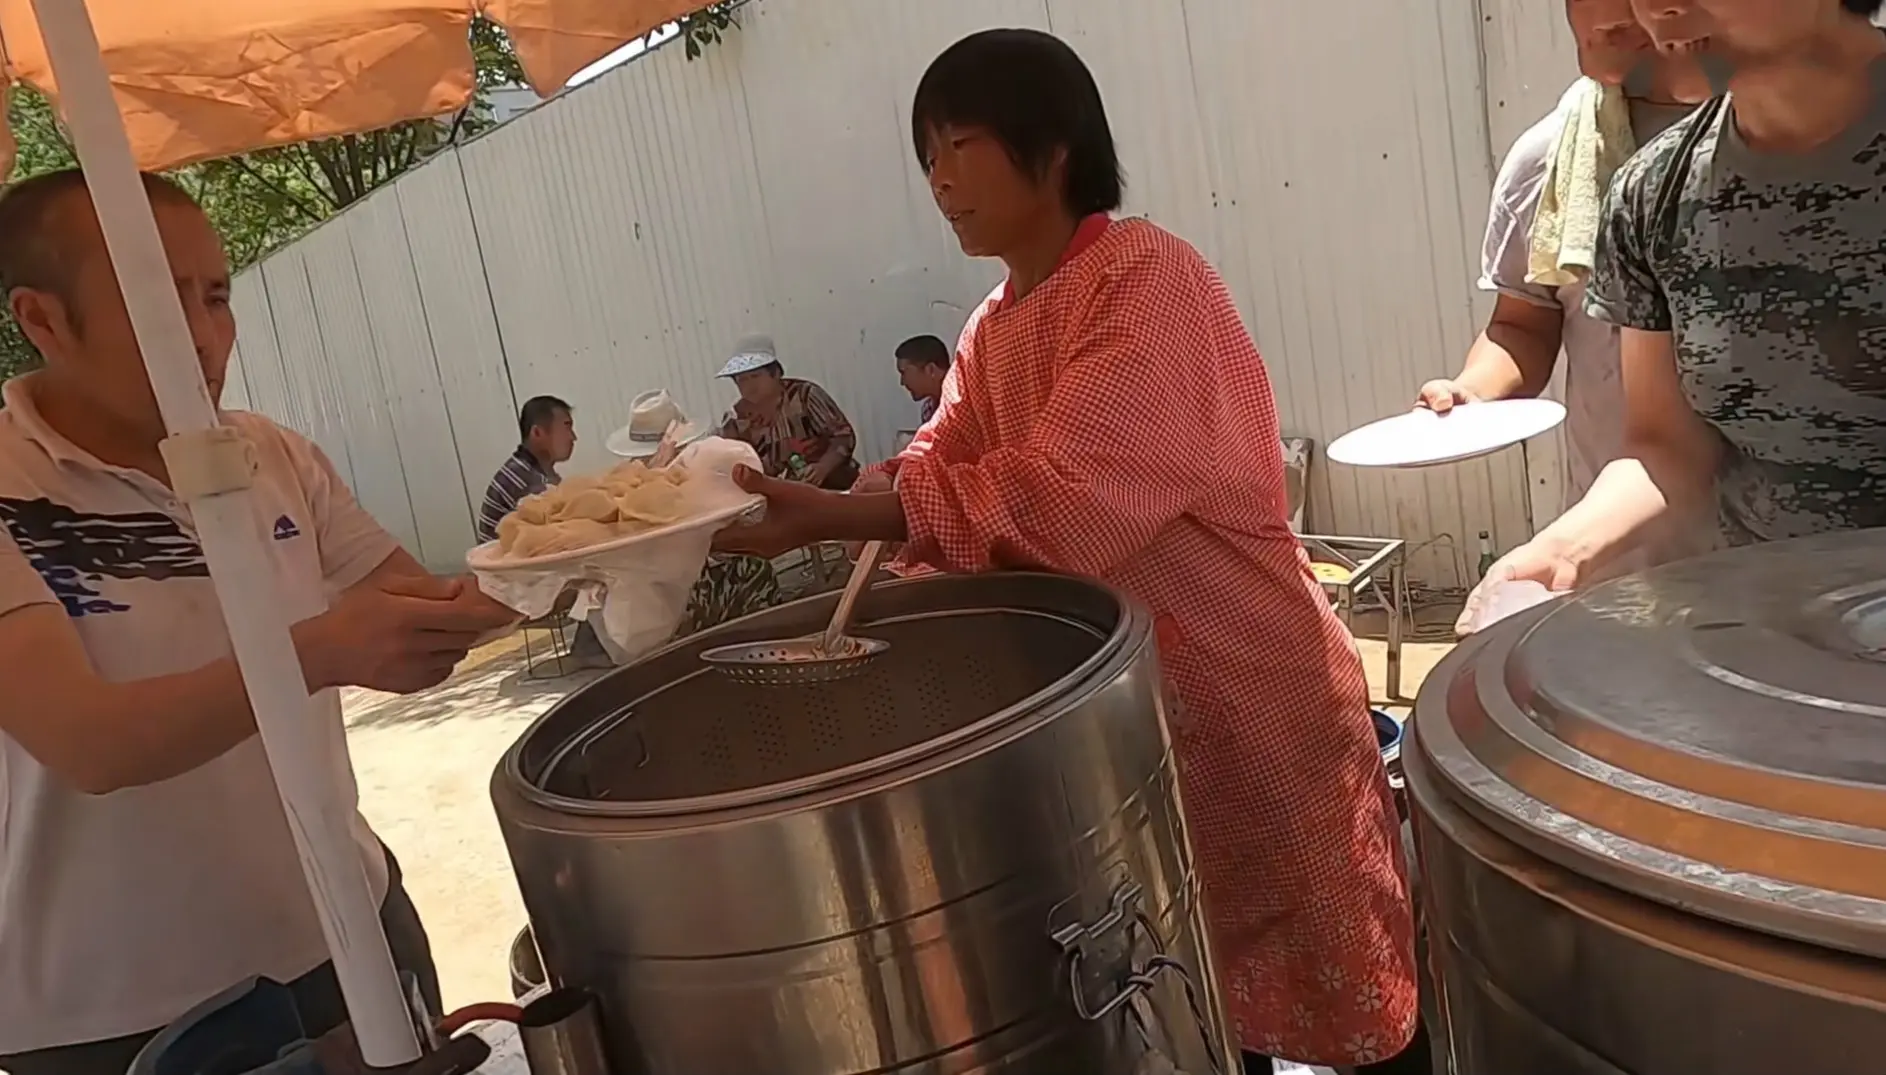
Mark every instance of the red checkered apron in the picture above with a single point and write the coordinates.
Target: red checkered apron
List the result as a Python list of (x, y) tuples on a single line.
[(1117, 423)]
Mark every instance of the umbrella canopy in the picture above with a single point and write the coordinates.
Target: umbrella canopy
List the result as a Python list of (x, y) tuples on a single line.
[(198, 80), (158, 83)]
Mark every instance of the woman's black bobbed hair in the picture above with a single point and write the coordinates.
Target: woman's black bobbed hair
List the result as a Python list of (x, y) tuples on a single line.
[(1033, 94)]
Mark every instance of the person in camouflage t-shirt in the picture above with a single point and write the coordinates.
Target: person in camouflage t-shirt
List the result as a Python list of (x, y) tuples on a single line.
[(1743, 254), (1769, 273)]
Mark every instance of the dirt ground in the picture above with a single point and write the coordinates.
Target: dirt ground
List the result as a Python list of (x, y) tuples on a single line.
[(425, 765)]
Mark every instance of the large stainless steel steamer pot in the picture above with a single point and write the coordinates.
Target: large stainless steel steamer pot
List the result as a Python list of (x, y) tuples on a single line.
[(969, 859), (1652, 822)]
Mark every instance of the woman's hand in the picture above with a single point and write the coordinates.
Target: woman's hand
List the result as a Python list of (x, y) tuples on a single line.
[(821, 472), (875, 482), (798, 515), (1541, 560), (795, 515)]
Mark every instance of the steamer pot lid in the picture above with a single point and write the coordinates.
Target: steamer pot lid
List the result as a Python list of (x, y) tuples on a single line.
[(1711, 734)]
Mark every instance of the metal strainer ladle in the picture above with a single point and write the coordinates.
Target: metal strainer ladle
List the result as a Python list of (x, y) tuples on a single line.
[(823, 658)]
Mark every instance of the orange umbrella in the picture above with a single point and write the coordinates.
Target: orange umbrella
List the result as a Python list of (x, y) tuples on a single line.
[(201, 80), (158, 83)]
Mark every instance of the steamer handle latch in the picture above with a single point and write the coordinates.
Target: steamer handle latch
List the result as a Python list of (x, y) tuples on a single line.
[(1120, 930)]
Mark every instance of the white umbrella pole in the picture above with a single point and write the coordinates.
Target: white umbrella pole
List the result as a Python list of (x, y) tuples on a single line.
[(215, 483)]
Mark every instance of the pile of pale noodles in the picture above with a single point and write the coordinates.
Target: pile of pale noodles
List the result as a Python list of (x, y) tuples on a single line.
[(589, 510)]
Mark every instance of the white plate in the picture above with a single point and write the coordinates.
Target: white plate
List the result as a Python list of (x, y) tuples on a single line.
[(1421, 438), (487, 557)]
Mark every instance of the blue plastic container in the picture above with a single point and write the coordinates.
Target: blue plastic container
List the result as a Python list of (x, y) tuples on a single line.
[(1389, 732), (255, 1028), (252, 1028)]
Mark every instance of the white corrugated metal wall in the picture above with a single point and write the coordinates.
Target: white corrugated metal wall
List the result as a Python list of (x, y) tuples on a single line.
[(622, 236)]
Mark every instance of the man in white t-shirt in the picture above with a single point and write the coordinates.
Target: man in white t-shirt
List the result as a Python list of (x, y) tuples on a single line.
[(1516, 355), (145, 863)]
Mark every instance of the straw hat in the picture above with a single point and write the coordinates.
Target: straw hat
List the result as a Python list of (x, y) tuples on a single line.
[(650, 415), (751, 353)]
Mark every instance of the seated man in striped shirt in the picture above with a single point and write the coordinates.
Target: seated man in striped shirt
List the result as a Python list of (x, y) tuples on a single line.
[(729, 588), (546, 436)]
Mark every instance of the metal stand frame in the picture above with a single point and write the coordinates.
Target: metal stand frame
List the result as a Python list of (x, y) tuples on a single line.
[(560, 630), (1370, 562)]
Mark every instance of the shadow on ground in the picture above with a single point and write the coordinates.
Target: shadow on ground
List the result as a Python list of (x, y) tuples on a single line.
[(497, 688)]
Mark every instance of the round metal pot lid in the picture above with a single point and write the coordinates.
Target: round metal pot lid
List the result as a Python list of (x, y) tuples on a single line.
[(1711, 735)]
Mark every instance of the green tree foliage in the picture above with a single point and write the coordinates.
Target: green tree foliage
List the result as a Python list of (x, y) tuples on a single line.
[(42, 148), (281, 192), (262, 201), (705, 28), (16, 355)]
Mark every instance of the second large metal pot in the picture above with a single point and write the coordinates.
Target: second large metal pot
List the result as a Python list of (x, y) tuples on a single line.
[(1652, 822), (969, 859)]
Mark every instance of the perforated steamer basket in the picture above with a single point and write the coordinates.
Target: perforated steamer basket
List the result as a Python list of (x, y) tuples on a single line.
[(709, 736), (832, 655), (970, 857)]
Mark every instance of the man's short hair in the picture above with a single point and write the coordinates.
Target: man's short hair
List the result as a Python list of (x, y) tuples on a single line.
[(924, 351), (538, 413), (36, 248), (1868, 8)]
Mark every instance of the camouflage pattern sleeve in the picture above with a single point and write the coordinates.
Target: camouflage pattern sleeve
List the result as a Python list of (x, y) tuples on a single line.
[(1623, 289)]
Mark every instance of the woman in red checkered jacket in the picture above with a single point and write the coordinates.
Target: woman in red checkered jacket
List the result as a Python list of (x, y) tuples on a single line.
[(1108, 416)]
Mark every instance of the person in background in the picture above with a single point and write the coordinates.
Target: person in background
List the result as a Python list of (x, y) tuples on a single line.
[(922, 364), (796, 427), (1032, 462), (1538, 249), (145, 862), (1740, 258), (731, 586), (1542, 224), (546, 438)]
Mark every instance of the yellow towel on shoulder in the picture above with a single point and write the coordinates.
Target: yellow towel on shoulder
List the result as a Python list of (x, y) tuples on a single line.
[(1594, 141)]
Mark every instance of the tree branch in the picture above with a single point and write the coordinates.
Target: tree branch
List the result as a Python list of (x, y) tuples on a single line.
[(409, 153), (378, 159), (324, 156), (351, 144), (313, 170), (458, 125), (313, 215)]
